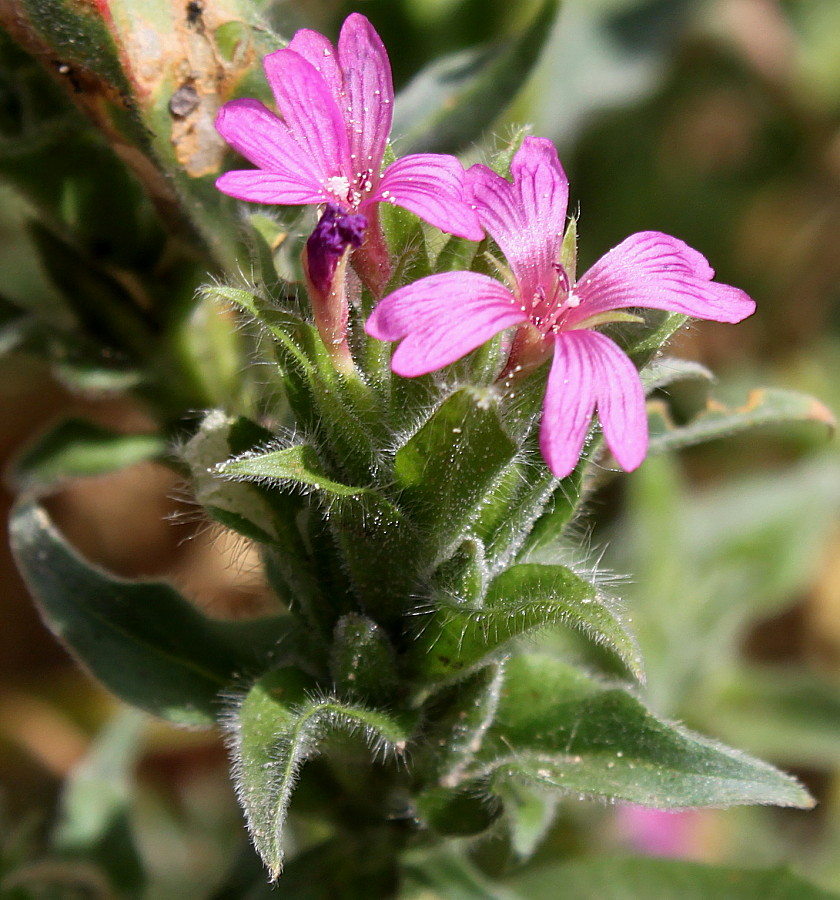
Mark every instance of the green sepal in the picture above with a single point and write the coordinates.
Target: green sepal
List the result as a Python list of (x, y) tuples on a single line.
[(529, 813), (77, 448), (362, 661), (462, 578), (557, 727), (450, 102), (457, 718), (447, 468), (526, 598), (142, 640), (277, 727)]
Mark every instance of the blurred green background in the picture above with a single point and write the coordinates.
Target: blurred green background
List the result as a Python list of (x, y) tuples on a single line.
[(717, 121)]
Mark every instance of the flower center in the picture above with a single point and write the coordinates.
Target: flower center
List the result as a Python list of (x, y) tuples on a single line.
[(549, 307), (350, 193)]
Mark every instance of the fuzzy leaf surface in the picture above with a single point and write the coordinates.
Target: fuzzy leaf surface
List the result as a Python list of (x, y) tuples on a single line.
[(522, 599), (557, 727), (142, 640), (276, 729), (446, 469)]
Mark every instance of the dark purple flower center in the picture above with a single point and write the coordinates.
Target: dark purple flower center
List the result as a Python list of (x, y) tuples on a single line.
[(336, 230)]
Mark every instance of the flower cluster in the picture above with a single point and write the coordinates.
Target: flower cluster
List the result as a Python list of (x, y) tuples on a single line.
[(328, 148)]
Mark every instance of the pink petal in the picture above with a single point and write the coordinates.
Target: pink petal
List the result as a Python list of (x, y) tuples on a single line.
[(309, 109), (259, 186), (657, 271), (431, 185), (319, 52), (368, 92), (442, 318), (589, 370), (264, 140), (526, 218)]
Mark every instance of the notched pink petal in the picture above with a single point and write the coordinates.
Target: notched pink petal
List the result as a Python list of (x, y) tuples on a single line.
[(257, 134), (308, 107), (657, 271), (431, 185), (620, 400), (319, 52), (527, 217), (441, 318), (368, 92), (589, 371), (569, 404), (259, 186)]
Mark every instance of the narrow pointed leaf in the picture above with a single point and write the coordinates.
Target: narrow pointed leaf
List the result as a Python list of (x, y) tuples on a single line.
[(455, 98), (666, 371), (142, 640), (523, 599), (768, 406), (276, 729), (560, 728), (76, 448)]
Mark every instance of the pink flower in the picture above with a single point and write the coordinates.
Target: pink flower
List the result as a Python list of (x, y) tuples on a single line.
[(443, 317), (336, 110)]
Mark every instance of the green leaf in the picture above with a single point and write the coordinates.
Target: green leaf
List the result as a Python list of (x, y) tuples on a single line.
[(371, 531), (766, 406), (454, 99), (529, 813), (276, 729), (76, 448), (559, 728), (523, 599), (605, 878), (93, 819), (447, 468), (142, 640), (444, 874)]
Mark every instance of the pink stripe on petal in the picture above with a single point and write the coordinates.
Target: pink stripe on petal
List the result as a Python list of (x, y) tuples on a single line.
[(368, 92), (657, 271), (259, 186), (264, 140), (442, 318), (308, 107), (526, 218), (319, 52), (431, 185)]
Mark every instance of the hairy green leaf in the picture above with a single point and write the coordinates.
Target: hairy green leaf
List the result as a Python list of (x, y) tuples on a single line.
[(560, 728), (275, 730), (454, 640)]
